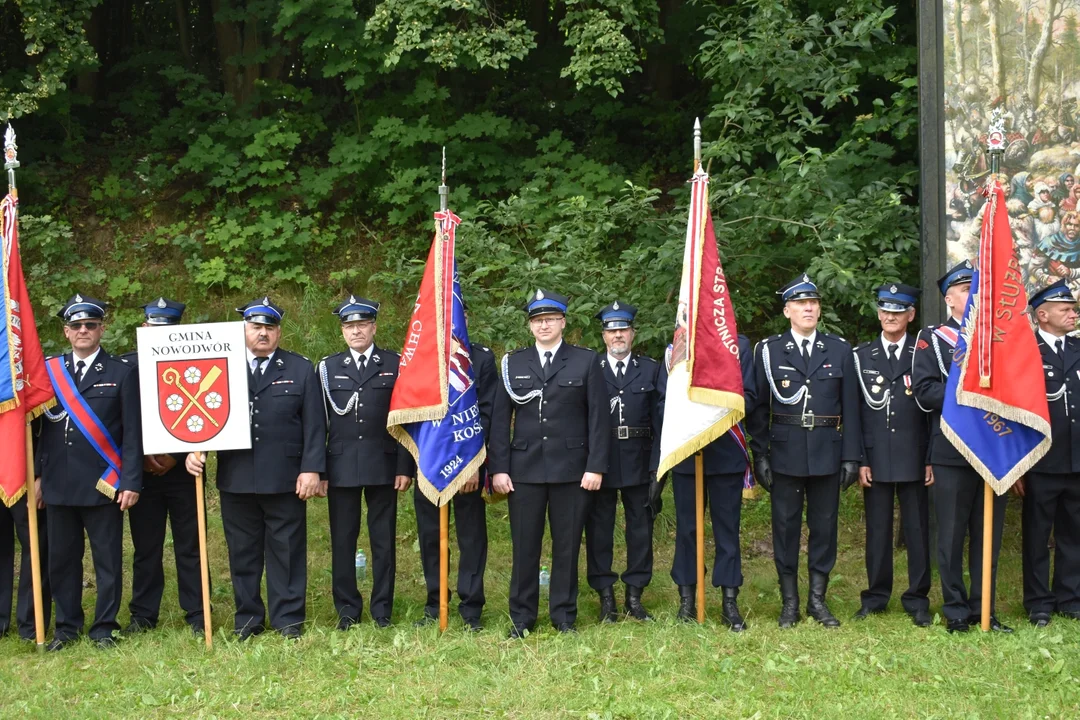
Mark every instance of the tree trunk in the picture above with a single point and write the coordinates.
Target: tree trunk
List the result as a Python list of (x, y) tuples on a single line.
[(228, 47), (997, 62), (958, 42), (182, 28), (1034, 78)]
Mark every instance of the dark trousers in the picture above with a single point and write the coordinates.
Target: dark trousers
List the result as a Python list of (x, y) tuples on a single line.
[(104, 526), (600, 537), (915, 522), (565, 505), (267, 530), (344, 505), (822, 503), (723, 495), (470, 525), (14, 521), (958, 496), (1051, 503), (175, 502)]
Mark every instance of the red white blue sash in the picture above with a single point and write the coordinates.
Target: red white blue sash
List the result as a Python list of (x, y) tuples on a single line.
[(740, 440), (949, 334), (89, 424)]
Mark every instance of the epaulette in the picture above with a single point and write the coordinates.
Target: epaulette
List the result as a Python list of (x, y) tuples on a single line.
[(866, 344), (834, 337), (483, 347), (520, 349)]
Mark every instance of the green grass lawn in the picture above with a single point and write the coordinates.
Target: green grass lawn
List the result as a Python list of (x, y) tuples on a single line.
[(883, 667)]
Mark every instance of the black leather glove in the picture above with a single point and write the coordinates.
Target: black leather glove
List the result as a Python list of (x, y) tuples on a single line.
[(849, 474), (763, 474), (656, 489)]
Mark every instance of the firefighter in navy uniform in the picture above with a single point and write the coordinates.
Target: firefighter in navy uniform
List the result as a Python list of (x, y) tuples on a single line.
[(470, 516), (632, 386), (72, 471), (264, 490), (726, 462), (958, 488), (362, 461), (15, 523), (806, 441), (895, 434), (1051, 489), (168, 495), (555, 396)]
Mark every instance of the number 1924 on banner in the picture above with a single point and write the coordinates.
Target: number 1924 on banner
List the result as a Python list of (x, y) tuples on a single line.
[(194, 389)]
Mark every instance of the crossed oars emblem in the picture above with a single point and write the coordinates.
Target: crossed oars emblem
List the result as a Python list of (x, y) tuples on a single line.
[(172, 377)]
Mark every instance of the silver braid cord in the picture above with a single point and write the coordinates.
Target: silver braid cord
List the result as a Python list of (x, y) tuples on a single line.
[(324, 377), (874, 404), (799, 394), (520, 399)]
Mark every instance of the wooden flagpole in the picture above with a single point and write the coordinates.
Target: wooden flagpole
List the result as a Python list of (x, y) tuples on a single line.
[(987, 554), (35, 547), (699, 502), (444, 510), (200, 501)]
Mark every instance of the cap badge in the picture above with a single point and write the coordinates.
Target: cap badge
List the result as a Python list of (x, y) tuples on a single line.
[(615, 305), (266, 299), (805, 278), (967, 264), (539, 294), (78, 298), (352, 299), (892, 289), (161, 303)]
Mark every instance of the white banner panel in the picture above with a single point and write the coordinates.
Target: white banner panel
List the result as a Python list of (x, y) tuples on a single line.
[(194, 388)]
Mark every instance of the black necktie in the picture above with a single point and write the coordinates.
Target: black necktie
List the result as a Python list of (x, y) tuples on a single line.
[(547, 364), (619, 369), (1061, 347), (894, 358), (806, 352), (259, 362), (361, 363), (79, 370)]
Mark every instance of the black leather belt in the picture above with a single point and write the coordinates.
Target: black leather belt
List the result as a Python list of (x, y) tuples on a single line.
[(625, 432), (807, 420)]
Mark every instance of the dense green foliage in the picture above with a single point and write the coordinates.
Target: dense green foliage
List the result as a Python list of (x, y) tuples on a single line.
[(217, 149)]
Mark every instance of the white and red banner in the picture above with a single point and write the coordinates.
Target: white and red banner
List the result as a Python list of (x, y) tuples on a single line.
[(193, 388), (704, 390)]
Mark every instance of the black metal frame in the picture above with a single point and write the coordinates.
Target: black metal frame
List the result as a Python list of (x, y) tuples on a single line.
[(932, 204)]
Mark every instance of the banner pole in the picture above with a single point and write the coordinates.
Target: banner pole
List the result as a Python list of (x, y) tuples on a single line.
[(35, 547), (200, 500), (699, 507), (987, 554), (444, 567)]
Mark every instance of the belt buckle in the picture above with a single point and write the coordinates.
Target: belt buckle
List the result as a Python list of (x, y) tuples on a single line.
[(808, 420), (623, 432)]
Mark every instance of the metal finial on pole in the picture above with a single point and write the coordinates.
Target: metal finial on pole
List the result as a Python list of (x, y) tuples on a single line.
[(11, 156), (995, 140), (444, 191), (697, 144)]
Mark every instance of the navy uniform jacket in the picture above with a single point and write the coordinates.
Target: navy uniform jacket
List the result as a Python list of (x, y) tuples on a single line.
[(68, 463), (833, 391), (638, 393), (560, 437), (487, 384), (178, 474), (896, 436), (359, 450), (722, 456), (928, 378), (288, 430), (1064, 430)]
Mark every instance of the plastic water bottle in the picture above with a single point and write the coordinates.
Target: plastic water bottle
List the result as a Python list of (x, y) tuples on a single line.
[(545, 580), (361, 565)]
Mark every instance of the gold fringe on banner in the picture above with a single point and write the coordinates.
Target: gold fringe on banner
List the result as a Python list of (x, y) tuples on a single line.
[(10, 500)]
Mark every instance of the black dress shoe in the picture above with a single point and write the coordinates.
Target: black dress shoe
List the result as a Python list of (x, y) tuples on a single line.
[(1071, 614), (383, 622), (198, 630), (290, 632), (104, 643), (957, 626), (345, 622), (566, 628), (866, 611), (518, 632), (248, 632), (472, 624), (687, 603), (1040, 619), (425, 620), (609, 612), (922, 618), (789, 610), (138, 625), (729, 610), (816, 607), (634, 608), (995, 626), (56, 645)]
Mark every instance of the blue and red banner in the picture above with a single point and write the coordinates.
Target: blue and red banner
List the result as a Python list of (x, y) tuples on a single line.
[(25, 391), (434, 411), (995, 410)]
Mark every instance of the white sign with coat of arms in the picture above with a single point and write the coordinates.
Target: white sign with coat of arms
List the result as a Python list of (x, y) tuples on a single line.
[(194, 389)]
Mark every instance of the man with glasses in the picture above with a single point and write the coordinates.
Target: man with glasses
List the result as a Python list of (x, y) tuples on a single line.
[(89, 459), (363, 461), (263, 490), (555, 396)]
